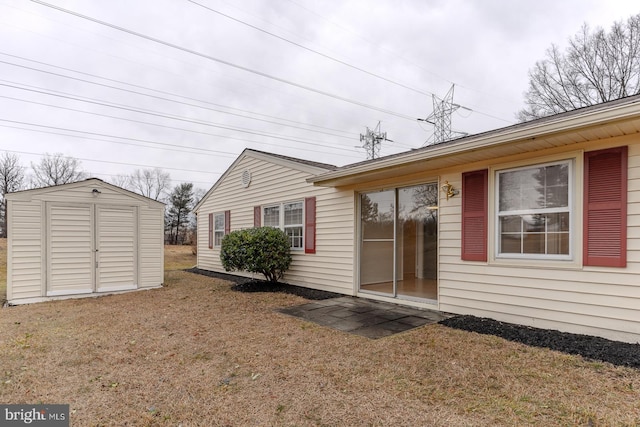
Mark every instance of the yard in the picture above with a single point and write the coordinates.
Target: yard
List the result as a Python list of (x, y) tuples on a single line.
[(196, 353)]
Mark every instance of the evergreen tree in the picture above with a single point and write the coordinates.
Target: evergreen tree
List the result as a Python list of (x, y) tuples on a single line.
[(177, 216)]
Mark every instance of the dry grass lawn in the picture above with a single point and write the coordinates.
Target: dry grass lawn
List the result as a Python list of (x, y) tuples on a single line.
[(195, 353)]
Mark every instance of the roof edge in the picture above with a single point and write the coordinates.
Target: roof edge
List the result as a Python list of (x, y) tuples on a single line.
[(86, 181), (572, 120)]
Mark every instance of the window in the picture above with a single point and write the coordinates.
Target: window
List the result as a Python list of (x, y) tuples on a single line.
[(218, 228), (289, 218), (293, 220), (534, 211), (272, 216)]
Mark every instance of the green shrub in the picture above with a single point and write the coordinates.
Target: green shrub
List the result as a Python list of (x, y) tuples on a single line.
[(263, 250)]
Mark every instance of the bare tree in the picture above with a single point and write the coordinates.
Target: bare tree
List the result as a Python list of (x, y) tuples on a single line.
[(56, 169), (596, 67), (11, 179), (152, 183), (122, 181)]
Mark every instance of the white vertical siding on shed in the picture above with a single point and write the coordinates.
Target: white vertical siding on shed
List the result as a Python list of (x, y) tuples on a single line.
[(151, 244), (25, 251), (70, 249), (331, 267), (54, 232), (117, 247)]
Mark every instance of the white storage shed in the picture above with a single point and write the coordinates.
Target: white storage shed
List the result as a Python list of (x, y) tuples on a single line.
[(86, 238)]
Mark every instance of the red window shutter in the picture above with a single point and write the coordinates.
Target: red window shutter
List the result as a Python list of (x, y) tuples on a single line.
[(474, 215), (310, 225), (605, 208), (227, 222), (210, 231), (257, 216)]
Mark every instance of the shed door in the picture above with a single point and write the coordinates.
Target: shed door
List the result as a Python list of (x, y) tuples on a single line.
[(70, 255), (91, 249), (116, 254)]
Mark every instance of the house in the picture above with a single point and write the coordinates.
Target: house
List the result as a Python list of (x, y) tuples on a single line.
[(268, 189), (86, 238), (535, 224)]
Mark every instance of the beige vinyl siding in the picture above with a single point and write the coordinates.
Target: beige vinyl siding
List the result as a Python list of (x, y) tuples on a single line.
[(25, 252), (151, 247), (53, 233), (557, 295), (560, 295), (70, 249), (117, 252), (331, 267)]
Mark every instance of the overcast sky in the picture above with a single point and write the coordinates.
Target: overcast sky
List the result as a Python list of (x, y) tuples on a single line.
[(185, 85)]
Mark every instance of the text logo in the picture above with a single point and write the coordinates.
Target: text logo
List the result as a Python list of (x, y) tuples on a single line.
[(34, 415)]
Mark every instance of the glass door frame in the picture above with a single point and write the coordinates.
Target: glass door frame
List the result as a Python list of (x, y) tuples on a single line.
[(394, 240)]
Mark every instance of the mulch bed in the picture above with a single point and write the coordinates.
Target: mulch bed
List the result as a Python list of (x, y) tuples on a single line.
[(615, 352), (595, 348), (244, 284)]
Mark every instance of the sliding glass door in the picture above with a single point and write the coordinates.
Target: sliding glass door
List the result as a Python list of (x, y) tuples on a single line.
[(377, 211), (398, 243)]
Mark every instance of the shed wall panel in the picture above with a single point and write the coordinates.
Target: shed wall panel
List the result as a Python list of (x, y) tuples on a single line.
[(151, 254), (117, 247), (25, 252), (70, 249)]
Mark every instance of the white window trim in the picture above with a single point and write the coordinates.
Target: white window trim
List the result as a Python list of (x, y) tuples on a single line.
[(281, 225), (574, 259), (217, 230)]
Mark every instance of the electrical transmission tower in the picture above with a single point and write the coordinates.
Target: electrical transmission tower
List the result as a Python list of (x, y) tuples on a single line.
[(441, 118), (372, 141)]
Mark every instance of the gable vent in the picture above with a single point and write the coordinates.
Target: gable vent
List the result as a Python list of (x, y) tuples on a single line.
[(246, 178)]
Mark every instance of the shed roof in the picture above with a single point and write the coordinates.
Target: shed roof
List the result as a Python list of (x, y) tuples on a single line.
[(97, 182)]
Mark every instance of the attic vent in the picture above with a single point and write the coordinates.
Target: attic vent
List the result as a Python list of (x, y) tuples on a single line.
[(246, 178)]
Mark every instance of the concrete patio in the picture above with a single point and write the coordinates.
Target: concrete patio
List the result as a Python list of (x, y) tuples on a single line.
[(367, 318)]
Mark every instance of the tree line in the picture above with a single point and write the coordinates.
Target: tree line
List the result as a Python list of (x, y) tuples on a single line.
[(57, 169)]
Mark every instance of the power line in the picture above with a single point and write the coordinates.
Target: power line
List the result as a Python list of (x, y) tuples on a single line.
[(407, 60), (311, 50), (221, 61), (117, 163), (268, 135), (172, 100), (66, 24), (201, 151), (143, 111)]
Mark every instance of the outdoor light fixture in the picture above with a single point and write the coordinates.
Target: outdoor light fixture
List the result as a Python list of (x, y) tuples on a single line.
[(449, 190), (95, 192)]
